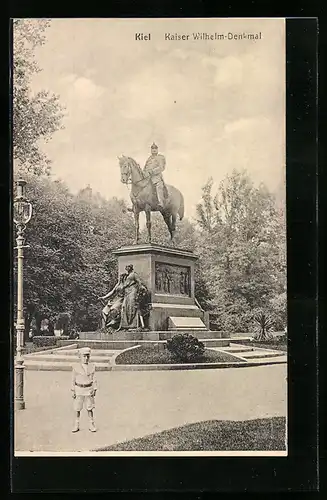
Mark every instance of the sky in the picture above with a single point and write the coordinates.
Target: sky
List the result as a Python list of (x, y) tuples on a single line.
[(210, 105)]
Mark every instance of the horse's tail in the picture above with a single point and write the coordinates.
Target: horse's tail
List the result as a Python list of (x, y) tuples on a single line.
[(181, 208)]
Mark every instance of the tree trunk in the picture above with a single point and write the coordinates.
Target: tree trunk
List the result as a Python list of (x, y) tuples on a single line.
[(28, 321), (38, 324), (51, 328)]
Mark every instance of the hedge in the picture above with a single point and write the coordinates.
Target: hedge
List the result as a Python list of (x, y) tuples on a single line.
[(48, 341)]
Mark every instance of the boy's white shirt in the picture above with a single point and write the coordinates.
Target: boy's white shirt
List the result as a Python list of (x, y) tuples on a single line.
[(84, 391)]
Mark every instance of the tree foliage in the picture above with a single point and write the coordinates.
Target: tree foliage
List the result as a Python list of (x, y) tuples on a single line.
[(70, 263), (240, 275), (35, 115), (243, 251)]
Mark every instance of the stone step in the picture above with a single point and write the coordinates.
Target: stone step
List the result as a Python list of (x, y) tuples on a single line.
[(271, 360), (250, 353), (69, 358), (222, 343), (124, 344), (146, 335), (239, 340), (73, 352), (256, 354), (236, 349), (59, 365)]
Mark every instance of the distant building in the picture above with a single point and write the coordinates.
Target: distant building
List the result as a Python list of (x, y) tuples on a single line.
[(86, 193)]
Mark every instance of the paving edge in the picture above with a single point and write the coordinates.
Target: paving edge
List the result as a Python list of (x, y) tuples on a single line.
[(112, 360), (242, 363), (195, 366), (188, 366), (60, 367)]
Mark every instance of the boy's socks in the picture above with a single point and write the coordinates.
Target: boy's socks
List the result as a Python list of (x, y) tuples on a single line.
[(76, 426), (92, 427)]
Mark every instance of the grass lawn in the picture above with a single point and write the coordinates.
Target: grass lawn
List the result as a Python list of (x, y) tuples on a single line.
[(267, 434), (147, 355)]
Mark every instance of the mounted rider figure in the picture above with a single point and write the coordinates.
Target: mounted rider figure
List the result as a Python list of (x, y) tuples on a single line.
[(154, 166)]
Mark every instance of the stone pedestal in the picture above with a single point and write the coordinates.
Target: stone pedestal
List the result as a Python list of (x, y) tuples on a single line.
[(169, 275)]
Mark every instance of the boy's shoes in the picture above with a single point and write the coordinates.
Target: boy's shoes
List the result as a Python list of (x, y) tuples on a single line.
[(76, 427), (92, 427)]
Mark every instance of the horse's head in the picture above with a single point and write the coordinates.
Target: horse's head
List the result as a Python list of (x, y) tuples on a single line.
[(125, 169), (130, 171)]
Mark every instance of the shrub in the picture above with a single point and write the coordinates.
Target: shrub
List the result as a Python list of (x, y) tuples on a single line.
[(48, 341), (73, 334), (263, 322), (186, 347), (282, 338)]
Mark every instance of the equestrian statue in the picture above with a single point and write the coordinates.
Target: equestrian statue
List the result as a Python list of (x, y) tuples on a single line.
[(149, 193)]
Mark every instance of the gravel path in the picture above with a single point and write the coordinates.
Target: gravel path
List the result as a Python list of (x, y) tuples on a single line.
[(135, 404)]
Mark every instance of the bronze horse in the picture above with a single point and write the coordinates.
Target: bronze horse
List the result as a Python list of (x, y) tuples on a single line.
[(144, 198)]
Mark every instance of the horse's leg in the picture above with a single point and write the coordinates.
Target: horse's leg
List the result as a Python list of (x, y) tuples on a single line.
[(148, 221), (167, 221), (173, 225), (137, 225)]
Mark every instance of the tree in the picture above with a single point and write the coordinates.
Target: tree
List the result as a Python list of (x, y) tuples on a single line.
[(206, 213), (242, 249), (37, 115), (68, 265), (107, 226), (54, 253)]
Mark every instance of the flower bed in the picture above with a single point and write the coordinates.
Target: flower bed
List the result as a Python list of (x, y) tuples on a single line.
[(148, 355)]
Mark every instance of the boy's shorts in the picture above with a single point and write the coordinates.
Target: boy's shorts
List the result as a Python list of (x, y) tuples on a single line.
[(86, 401)]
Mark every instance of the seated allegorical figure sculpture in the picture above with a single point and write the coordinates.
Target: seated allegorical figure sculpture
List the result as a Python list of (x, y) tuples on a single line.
[(124, 310)]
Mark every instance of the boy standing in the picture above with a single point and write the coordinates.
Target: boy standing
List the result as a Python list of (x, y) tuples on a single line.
[(84, 387)]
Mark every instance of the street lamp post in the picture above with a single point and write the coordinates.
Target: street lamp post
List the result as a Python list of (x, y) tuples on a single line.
[(22, 215)]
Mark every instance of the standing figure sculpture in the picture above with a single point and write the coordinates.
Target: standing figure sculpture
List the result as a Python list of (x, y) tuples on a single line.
[(149, 193), (111, 313), (124, 309), (130, 311)]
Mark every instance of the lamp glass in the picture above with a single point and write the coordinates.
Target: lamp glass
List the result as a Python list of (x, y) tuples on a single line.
[(22, 212)]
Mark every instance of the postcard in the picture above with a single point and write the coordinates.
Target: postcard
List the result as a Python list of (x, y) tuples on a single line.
[(150, 237)]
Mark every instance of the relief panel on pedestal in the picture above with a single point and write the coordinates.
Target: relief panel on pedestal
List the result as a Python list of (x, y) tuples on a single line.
[(172, 279)]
